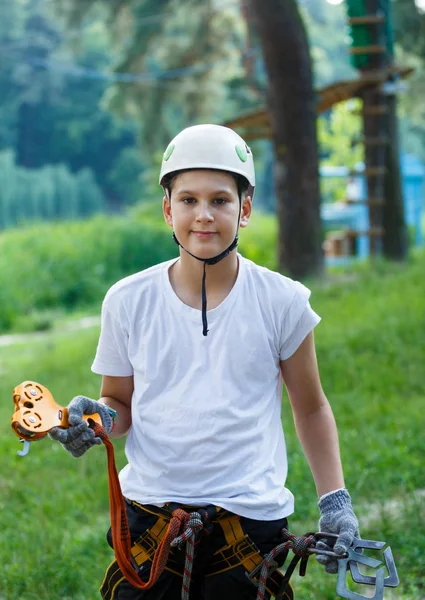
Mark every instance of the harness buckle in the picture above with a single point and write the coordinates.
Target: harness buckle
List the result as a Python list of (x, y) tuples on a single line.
[(256, 571)]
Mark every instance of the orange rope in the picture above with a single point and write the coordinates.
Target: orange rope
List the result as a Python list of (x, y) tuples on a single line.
[(121, 539)]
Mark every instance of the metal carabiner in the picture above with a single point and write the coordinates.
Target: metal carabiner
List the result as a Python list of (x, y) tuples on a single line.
[(356, 557), (25, 448), (391, 581)]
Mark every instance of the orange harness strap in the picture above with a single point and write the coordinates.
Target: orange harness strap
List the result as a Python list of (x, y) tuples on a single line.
[(121, 539)]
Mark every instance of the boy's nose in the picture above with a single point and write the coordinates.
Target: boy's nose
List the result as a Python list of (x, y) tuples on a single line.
[(204, 212)]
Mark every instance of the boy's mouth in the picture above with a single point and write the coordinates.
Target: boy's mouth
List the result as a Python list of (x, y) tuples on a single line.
[(203, 234)]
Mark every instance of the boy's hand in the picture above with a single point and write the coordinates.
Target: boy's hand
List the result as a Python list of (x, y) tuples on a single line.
[(337, 516), (78, 438)]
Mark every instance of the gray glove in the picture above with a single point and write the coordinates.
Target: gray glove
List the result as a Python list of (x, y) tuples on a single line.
[(337, 516), (78, 438)]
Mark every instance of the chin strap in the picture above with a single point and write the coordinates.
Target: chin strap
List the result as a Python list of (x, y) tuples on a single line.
[(208, 261), (204, 303)]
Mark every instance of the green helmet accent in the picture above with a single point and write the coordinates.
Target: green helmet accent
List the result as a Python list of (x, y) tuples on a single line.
[(209, 147), (242, 153), (169, 151)]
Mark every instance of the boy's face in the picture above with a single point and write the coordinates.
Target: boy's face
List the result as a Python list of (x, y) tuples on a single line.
[(204, 211)]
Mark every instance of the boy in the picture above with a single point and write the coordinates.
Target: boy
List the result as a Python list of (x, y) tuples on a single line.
[(193, 353)]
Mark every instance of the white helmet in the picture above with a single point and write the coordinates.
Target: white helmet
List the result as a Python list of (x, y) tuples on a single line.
[(209, 147)]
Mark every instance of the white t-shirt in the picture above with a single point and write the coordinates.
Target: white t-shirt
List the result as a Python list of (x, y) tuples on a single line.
[(206, 411)]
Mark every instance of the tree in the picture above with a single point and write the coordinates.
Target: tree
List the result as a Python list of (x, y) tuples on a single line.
[(292, 111), (11, 32), (52, 112), (184, 58), (38, 87), (192, 36), (183, 54), (52, 192)]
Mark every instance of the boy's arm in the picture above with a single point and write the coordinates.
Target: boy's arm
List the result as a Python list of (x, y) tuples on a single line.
[(317, 432), (313, 417), (116, 392)]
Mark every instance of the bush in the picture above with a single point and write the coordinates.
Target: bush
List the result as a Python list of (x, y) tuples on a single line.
[(258, 242), (73, 263)]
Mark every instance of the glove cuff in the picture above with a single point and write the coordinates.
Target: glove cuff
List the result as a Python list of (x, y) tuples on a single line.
[(106, 417), (337, 500)]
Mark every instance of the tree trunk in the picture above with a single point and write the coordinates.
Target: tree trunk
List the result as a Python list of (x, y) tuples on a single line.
[(395, 242), (292, 110)]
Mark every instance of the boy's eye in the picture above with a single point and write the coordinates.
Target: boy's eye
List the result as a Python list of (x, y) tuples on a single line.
[(188, 200), (220, 200)]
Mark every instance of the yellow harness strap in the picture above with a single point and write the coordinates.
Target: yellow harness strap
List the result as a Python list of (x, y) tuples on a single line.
[(239, 550), (142, 551), (145, 546)]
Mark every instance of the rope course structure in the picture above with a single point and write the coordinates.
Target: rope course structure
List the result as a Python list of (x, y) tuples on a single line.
[(371, 53)]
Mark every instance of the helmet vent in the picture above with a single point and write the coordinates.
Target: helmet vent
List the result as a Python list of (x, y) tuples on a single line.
[(169, 151), (242, 153)]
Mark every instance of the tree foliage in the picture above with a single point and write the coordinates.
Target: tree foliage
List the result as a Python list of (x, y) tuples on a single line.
[(52, 116), (105, 85), (339, 134), (190, 55), (49, 193)]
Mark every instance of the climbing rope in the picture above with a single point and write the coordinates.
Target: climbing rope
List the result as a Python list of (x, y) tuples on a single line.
[(190, 523), (239, 550), (298, 544), (120, 531), (193, 525)]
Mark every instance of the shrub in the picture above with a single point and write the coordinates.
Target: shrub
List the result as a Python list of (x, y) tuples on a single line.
[(73, 263)]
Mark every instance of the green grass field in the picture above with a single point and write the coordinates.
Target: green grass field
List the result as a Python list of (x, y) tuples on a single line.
[(371, 349)]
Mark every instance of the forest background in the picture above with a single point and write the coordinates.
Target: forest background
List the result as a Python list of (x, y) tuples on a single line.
[(92, 93), (90, 96)]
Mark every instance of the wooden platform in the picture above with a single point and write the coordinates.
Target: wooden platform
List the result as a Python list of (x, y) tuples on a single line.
[(255, 125), (367, 20)]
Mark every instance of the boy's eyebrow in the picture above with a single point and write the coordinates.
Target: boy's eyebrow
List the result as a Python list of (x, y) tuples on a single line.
[(215, 192)]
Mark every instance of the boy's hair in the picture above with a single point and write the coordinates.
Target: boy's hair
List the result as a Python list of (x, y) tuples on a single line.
[(242, 183)]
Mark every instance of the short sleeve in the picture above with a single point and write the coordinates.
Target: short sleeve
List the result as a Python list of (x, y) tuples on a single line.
[(299, 320), (112, 349)]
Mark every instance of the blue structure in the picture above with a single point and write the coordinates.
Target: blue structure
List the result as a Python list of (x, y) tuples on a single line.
[(355, 216), (413, 173)]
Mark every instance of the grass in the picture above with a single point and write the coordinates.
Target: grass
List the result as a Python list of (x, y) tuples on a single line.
[(55, 509), (371, 350)]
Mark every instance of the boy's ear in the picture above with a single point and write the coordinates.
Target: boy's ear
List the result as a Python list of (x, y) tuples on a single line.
[(166, 209), (246, 211)]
